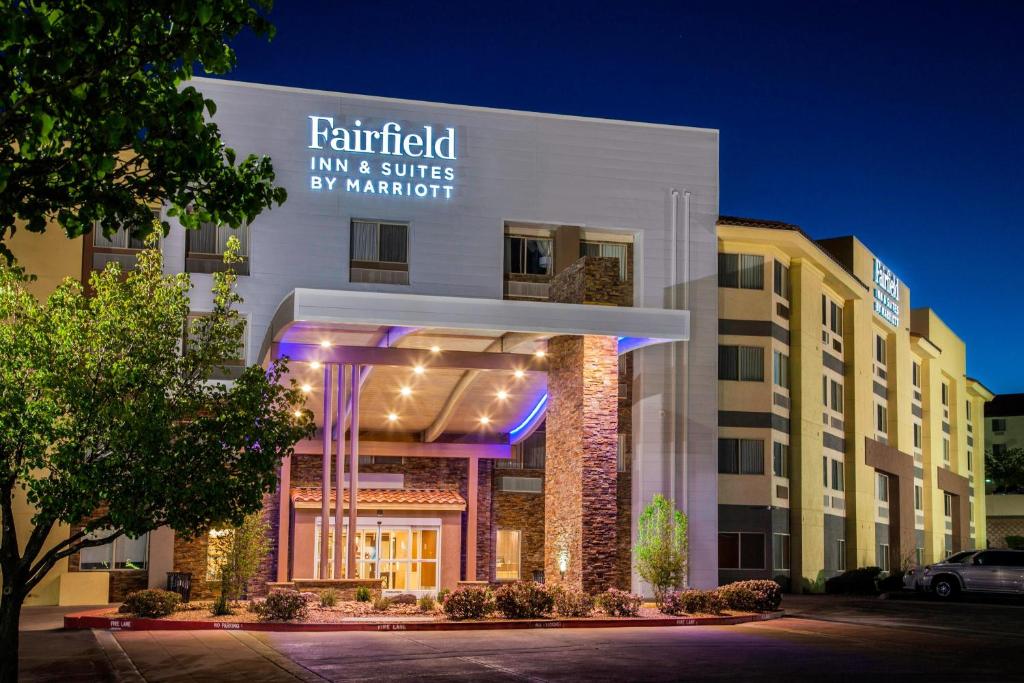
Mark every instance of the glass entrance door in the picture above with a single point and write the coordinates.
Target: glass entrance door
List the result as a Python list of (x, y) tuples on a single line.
[(405, 557)]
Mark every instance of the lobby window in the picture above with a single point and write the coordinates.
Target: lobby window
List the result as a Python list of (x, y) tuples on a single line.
[(740, 456), (741, 271), (780, 459), (121, 553), (529, 454), (918, 497), (998, 425), (781, 369), (379, 252), (204, 248), (194, 329), (882, 487), (837, 396), (915, 369), (741, 551), (507, 554), (838, 478), (781, 280), (780, 552), (881, 418), (615, 250), (741, 363), (528, 255)]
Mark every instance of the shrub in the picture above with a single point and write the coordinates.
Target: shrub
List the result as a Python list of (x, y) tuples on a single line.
[(404, 599), (738, 598), (661, 545), (467, 603), (892, 582), (1015, 542), (692, 602), (442, 594), (570, 602), (767, 594), (221, 606), (616, 603), (151, 602), (329, 598), (381, 604), (363, 594), (523, 600), (860, 581), (427, 603), (284, 605)]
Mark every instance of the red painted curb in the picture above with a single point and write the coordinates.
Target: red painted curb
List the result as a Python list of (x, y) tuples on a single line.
[(92, 619)]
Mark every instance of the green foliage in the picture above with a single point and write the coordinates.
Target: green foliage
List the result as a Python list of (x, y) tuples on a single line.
[(427, 603), (329, 597), (692, 601), (661, 545), (247, 546), (151, 602), (755, 595), (283, 605), (221, 606), (1006, 472), (616, 603), (523, 600), (442, 594), (468, 603), (363, 594), (97, 124), (572, 603), (404, 599), (738, 597)]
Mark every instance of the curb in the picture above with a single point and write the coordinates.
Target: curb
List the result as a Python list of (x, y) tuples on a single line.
[(92, 619)]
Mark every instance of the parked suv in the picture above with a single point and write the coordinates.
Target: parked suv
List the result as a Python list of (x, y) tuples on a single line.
[(983, 571)]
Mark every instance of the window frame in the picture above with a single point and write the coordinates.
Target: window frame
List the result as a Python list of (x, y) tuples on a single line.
[(732, 356), (734, 456), (780, 460), (780, 369), (739, 549), (525, 239), (111, 549), (781, 541), (519, 551), (379, 264), (780, 278), (741, 271)]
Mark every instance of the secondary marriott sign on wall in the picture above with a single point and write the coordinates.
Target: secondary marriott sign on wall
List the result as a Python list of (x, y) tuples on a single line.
[(382, 160), (887, 294)]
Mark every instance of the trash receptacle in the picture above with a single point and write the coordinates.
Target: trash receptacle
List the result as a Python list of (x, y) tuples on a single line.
[(180, 583)]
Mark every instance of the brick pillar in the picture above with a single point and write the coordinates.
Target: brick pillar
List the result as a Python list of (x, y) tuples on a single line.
[(582, 430)]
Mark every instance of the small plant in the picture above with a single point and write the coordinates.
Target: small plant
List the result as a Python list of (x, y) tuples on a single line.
[(284, 605), (152, 602), (329, 598), (692, 602), (661, 545), (766, 595), (442, 594), (221, 606), (427, 603), (738, 597), (381, 604), (467, 603), (523, 600), (616, 603), (404, 599), (570, 603), (363, 594)]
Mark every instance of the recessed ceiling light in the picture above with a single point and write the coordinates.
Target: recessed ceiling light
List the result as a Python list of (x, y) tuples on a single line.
[(306, 388), (418, 369), (540, 353), (325, 344), (392, 417), (519, 374), (435, 348), (405, 391), (484, 420), (502, 394), (315, 365)]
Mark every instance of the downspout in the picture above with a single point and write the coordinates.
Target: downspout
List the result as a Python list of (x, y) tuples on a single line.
[(685, 378), (673, 270)]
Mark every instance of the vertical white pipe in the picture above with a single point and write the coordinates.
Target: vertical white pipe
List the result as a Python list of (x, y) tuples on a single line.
[(685, 370), (325, 478), (339, 472), (672, 380), (353, 473)]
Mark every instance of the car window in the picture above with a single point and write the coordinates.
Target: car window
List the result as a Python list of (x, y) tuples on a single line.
[(960, 557), (1003, 558)]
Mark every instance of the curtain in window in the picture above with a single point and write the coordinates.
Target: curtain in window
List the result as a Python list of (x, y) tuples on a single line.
[(393, 243), (751, 363), (751, 456), (728, 270), (538, 256), (751, 271), (728, 461), (130, 553), (364, 241)]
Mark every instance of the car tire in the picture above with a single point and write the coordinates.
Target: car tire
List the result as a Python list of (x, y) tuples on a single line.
[(945, 587)]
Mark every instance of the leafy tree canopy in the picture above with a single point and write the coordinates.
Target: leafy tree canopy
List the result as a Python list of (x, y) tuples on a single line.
[(661, 546), (1005, 472), (96, 123)]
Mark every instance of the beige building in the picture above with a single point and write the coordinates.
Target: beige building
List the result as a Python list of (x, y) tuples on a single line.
[(849, 433), (1004, 430)]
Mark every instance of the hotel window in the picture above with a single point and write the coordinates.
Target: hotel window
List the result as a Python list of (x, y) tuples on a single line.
[(841, 554), (740, 550), (881, 418), (379, 252), (195, 329), (615, 250), (507, 554), (121, 553), (204, 248), (121, 247), (837, 396), (528, 255), (945, 394), (838, 483), (882, 487), (781, 369), (880, 349), (741, 363), (781, 280), (998, 425), (741, 271), (945, 450), (824, 471), (918, 497), (916, 374), (970, 460), (780, 551), (836, 319), (780, 459), (968, 405), (740, 456), (882, 557), (947, 502), (917, 435), (824, 391)]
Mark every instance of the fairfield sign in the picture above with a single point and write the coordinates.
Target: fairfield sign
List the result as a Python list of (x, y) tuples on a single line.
[(382, 160), (886, 294)]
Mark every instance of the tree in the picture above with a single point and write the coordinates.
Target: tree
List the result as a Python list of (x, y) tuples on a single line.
[(246, 547), (1005, 472), (103, 409), (661, 546), (96, 123)]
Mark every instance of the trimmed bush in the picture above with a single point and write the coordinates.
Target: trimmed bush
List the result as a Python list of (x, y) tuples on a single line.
[(221, 606), (152, 602), (571, 603), (523, 600), (427, 603), (892, 583), (442, 594), (467, 603), (404, 599), (363, 594), (692, 602), (738, 598), (860, 581), (329, 597), (284, 605), (767, 594), (616, 603), (381, 604)]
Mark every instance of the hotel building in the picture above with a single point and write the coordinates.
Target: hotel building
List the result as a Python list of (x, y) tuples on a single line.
[(505, 323), (849, 433), (1004, 431)]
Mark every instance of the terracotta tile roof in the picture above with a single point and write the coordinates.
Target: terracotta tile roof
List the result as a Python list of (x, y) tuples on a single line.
[(312, 494)]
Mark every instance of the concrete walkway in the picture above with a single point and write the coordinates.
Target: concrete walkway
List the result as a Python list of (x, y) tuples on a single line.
[(49, 653)]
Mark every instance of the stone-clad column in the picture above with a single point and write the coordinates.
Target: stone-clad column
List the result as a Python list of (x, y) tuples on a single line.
[(582, 436)]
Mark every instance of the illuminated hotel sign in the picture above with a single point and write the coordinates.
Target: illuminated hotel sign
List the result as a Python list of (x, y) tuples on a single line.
[(887, 294), (385, 160)]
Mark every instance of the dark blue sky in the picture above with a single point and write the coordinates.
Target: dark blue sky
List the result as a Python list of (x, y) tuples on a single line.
[(900, 122)]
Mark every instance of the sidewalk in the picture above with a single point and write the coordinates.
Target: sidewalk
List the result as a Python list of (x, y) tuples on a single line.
[(49, 653)]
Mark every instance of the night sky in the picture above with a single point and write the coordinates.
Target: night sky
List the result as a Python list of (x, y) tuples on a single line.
[(899, 122)]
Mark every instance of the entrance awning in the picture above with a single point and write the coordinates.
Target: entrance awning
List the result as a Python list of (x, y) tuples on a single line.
[(384, 499)]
